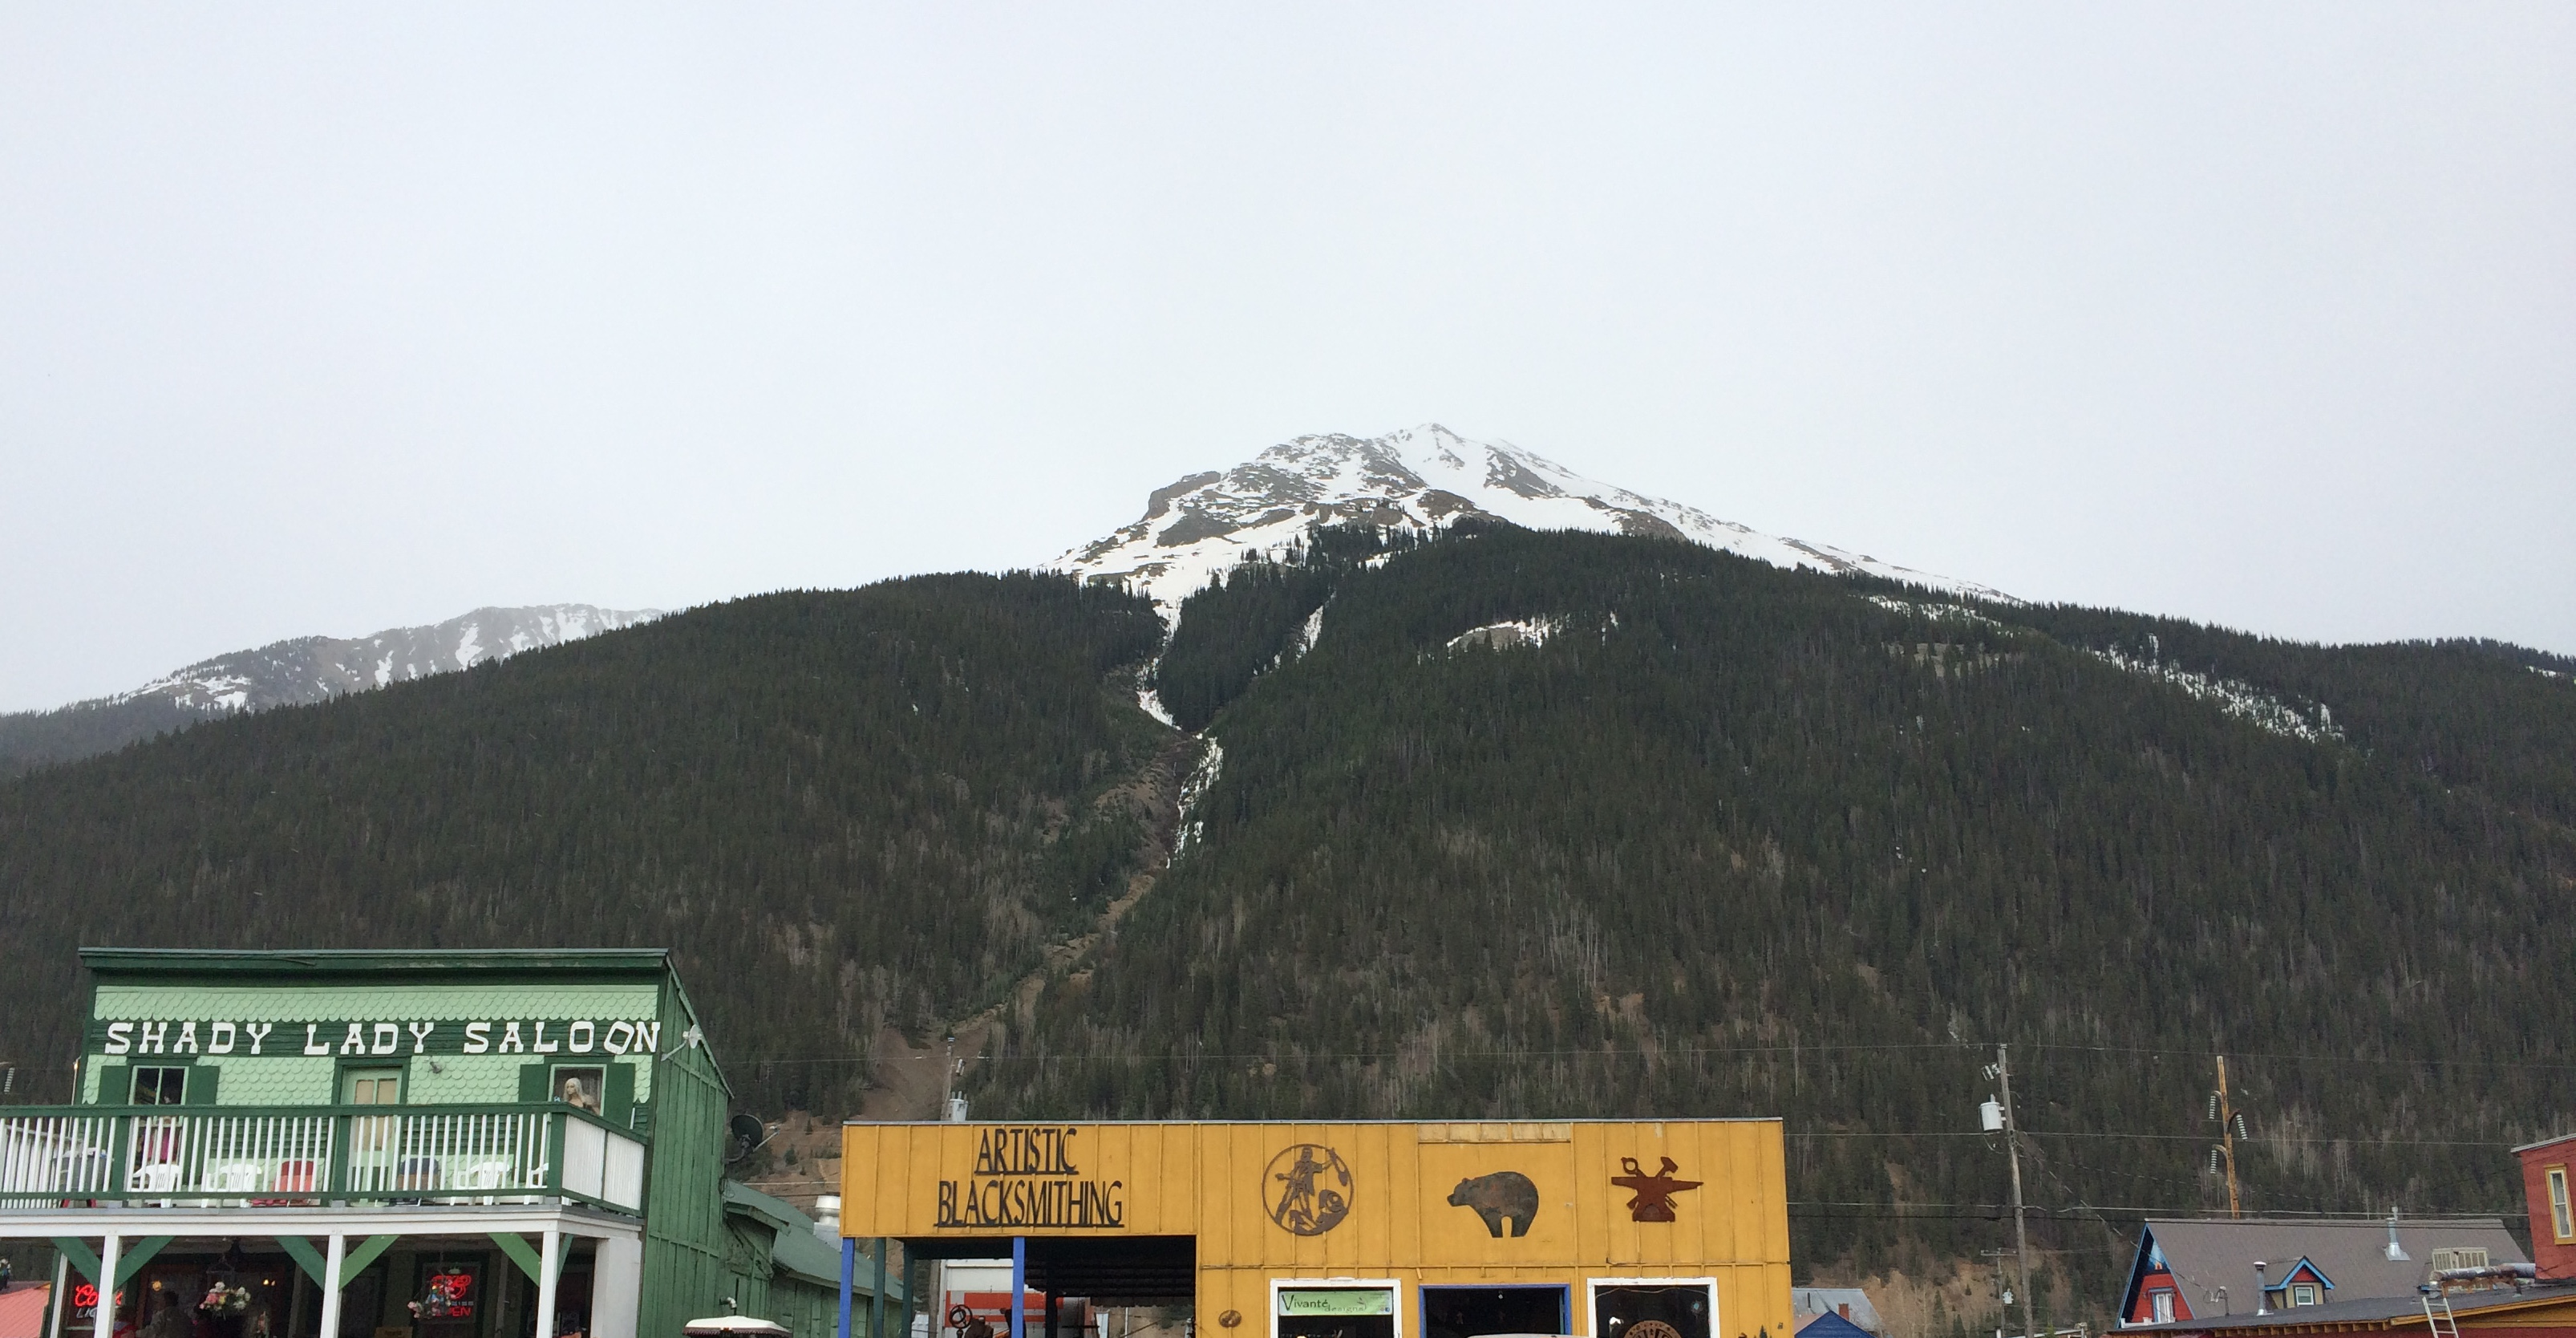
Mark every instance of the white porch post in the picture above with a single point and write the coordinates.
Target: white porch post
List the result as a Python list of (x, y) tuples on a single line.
[(62, 1293), (549, 1261), (616, 1286), (104, 1326), (331, 1261)]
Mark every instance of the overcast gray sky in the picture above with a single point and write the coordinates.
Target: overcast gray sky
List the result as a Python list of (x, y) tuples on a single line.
[(332, 318)]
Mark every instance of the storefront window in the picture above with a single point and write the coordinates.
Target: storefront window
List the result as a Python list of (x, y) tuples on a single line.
[(1469, 1312), (451, 1293), (1336, 1312), (1652, 1310)]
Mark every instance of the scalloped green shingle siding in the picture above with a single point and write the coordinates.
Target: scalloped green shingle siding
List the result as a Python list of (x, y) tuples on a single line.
[(296, 1081), (480, 1079)]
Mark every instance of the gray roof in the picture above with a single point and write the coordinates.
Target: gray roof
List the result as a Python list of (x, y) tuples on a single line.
[(2366, 1311), (2205, 1254), (1829, 1300), (797, 1249)]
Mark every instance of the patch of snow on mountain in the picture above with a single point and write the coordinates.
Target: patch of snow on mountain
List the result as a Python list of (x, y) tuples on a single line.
[(2235, 697), (1211, 764), (1309, 634), (1531, 632), (1151, 698), (1935, 612), (1423, 478)]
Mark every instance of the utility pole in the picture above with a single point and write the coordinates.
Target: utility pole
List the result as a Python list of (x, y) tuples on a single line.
[(2227, 1122), (2012, 1147), (2003, 1287)]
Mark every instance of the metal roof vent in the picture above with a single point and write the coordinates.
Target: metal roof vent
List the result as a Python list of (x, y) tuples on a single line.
[(2395, 1251)]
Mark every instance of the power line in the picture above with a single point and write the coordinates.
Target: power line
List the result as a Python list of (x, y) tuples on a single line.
[(1995, 1211), (1602, 1052), (1274, 1056), (2428, 1062)]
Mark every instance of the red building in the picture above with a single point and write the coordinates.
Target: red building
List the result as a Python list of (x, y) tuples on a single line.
[(2230, 1267), (2544, 1193), (2461, 1288)]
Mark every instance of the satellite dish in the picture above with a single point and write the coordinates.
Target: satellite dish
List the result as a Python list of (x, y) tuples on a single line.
[(746, 1129)]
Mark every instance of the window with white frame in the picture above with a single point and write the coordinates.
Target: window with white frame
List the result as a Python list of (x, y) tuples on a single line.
[(1653, 1307)]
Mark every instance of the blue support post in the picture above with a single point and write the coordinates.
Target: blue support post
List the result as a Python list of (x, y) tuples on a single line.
[(1019, 1287), (849, 1274)]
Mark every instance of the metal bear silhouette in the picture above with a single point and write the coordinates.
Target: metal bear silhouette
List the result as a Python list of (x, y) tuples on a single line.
[(1497, 1197)]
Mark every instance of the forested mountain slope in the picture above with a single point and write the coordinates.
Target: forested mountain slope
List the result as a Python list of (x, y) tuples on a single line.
[(1495, 823), (841, 809), (1737, 840)]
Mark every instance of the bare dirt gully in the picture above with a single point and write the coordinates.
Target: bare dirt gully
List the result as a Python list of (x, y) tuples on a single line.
[(909, 1082)]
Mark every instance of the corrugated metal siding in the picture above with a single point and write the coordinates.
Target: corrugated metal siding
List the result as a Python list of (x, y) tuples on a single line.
[(685, 1276), (804, 1309), (1218, 1182), (807, 1310)]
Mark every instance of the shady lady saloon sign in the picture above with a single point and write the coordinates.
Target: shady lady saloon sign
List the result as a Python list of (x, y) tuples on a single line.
[(1026, 1176), (504, 1036)]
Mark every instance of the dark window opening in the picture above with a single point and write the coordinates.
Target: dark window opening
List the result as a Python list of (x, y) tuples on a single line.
[(1471, 1312), (1651, 1312), (160, 1087)]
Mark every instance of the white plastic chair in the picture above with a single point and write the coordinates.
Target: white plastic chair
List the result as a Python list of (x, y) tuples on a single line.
[(157, 1177), (484, 1175), (236, 1177)]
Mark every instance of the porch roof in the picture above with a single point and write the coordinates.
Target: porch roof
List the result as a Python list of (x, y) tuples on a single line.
[(523, 1219)]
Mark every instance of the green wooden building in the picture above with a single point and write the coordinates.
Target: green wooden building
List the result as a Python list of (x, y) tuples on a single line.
[(454, 1144)]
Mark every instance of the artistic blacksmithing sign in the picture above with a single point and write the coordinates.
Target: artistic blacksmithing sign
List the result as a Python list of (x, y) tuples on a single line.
[(1029, 1176)]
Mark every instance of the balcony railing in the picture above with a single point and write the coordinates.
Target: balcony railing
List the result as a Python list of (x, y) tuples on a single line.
[(243, 1156)]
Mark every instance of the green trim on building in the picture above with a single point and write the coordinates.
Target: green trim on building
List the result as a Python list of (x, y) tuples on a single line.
[(367, 961), (673, 1095), (783, 1272)]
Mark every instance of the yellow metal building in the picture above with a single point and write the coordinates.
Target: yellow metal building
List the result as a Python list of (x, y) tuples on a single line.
[(1611, 1229)]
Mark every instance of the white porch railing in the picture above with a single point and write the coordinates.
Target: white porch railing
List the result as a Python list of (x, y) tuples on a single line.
[(261, 1156), (56, 1155), (430, 1154), (210, 1154)]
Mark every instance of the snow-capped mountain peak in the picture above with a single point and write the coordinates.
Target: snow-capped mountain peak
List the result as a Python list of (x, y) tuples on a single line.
[(1423, 478), (293, 672), (309, 669)]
